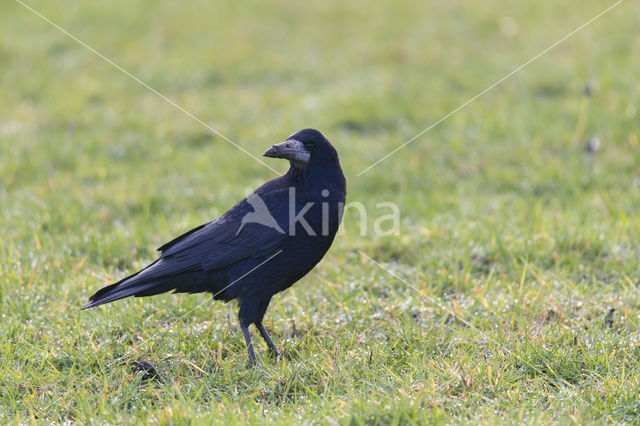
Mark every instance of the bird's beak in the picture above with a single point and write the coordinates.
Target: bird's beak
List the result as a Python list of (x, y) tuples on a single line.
[(291, 150)]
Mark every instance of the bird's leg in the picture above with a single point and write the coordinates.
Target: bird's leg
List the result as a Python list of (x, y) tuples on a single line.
[(267, 338), (247, 339)]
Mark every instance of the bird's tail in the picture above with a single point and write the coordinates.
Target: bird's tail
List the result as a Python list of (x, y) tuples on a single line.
[(134, 285)]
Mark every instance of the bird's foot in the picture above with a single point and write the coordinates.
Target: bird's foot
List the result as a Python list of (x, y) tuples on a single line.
[(275, 354)]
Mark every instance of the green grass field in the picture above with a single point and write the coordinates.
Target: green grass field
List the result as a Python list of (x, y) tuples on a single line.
[(510, 295)]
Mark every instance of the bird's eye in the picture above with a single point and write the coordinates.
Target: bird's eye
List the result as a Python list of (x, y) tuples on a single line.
[(308, 146)]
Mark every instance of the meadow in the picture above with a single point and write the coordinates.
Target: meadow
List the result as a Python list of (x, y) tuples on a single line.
[(509, 295)]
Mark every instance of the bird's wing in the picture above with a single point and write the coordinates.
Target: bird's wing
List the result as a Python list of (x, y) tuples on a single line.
[(217, 244), (208, 247)]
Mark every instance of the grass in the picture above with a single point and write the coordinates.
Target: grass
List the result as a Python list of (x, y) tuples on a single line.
[(517, 263)]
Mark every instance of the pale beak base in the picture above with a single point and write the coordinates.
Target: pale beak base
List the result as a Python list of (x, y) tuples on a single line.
[(293, 150)]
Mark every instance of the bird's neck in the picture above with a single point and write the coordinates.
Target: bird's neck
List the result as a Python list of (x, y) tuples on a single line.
[(297, 172), (311, 178)]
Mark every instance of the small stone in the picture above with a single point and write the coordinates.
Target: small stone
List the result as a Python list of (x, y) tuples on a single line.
[(592, 145), (145, 366), (590, 87), (609, 318)]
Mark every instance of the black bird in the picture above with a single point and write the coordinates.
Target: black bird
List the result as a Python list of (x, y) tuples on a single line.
[(260, 247)]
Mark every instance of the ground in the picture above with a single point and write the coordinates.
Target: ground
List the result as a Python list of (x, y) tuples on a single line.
[(509, 295)]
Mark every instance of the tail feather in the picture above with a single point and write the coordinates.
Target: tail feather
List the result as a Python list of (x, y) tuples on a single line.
[(115, 292), (133, 285)]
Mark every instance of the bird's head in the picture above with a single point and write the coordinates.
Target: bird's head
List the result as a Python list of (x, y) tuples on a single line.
[(304, 148)]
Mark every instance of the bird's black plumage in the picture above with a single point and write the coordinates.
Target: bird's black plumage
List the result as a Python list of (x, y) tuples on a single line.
[(261, 246)]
